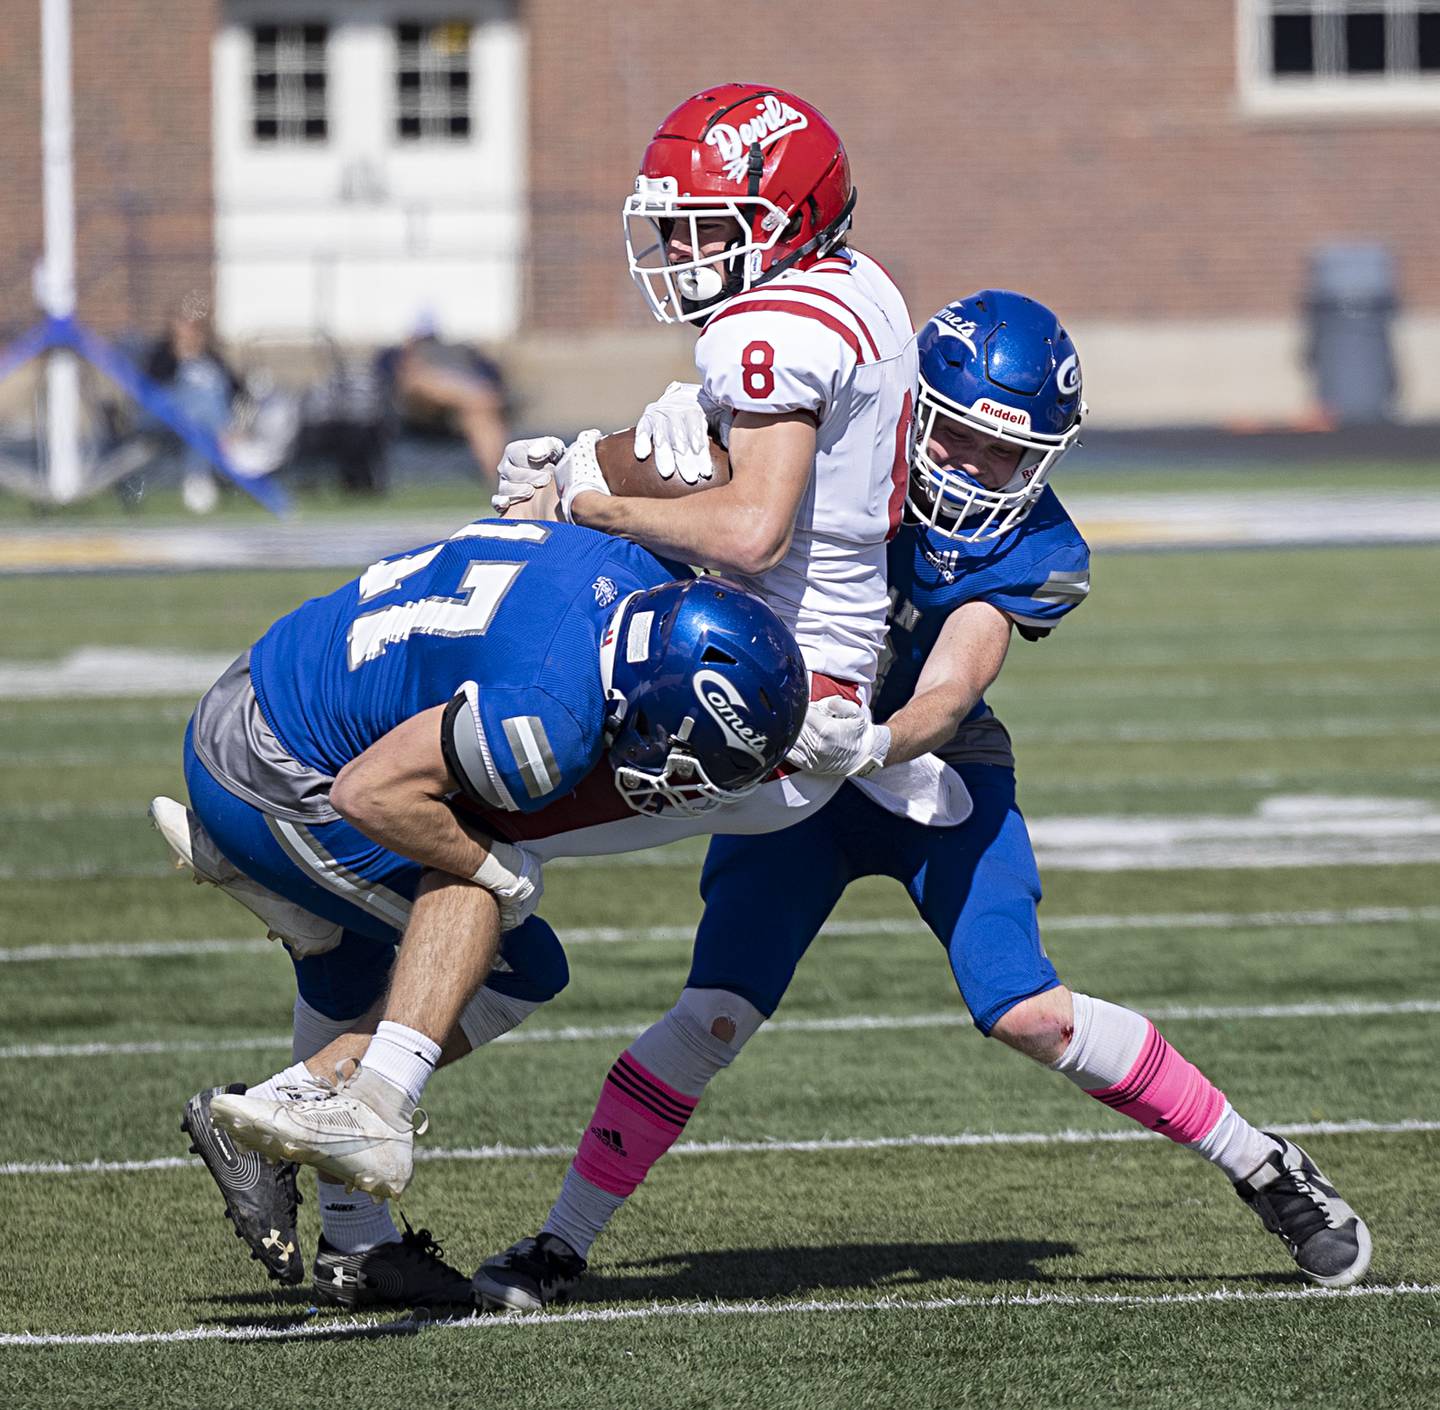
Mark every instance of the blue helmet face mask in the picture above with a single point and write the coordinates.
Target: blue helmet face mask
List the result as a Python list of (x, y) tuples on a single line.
[(707, 692), (1000, 366)]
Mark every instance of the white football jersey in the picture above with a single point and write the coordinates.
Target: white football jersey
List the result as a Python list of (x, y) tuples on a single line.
[(835, 340)]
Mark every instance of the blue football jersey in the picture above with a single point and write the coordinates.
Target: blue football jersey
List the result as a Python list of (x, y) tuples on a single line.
[(1035, 574), (503, 620)]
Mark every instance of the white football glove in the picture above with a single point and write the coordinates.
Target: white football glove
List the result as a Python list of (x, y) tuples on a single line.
[(525, 467), (513, 876), (578, 472), (677, 430), (839, 737)]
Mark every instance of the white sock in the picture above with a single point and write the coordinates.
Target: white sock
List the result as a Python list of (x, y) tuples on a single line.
[(1106, 1042), (403, 1057), (581, 1213), (354, 1222), (1104, 1049), (294, 1077), (1235, 1146)]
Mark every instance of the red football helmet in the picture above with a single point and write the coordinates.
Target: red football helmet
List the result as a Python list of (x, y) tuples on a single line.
[(759, 157)]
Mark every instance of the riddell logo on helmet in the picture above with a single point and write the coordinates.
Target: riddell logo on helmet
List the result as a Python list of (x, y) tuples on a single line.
[(720, 700), (772, 121), (998, 411)]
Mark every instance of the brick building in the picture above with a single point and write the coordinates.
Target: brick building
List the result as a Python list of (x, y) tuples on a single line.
[(1160, 174)]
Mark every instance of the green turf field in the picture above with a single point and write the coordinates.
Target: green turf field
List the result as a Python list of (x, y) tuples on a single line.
[(935, 1221)]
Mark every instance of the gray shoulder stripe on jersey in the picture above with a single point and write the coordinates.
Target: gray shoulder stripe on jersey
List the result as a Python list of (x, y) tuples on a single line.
[(311, 856), (531, 747), (472, 752), (1079, 577), (492, 770), (1060, 597)]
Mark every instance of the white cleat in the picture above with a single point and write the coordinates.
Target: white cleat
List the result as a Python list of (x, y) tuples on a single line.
[(363, 1136), (195, 851)]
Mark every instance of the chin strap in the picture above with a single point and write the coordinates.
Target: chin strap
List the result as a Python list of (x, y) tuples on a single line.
[(615, 702)]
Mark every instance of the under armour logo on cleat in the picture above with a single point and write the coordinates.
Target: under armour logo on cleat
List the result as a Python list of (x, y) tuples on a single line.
[(611, 1140), (274, 1240)]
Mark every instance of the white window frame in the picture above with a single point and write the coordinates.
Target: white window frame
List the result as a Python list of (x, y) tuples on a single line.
[(430, 86), (1353, 96), (280, 140)]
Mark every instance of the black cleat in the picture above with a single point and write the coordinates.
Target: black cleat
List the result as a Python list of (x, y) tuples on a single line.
[(260, 1194), (1294, 1200), (529, 1275), (411, 1273)]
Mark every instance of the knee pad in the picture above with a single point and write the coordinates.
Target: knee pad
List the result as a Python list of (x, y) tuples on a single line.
[(346, 982), (700, 1036), (531, 965)]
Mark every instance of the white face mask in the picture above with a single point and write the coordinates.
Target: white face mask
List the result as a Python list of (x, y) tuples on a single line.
[(649, 217), (956, 506)]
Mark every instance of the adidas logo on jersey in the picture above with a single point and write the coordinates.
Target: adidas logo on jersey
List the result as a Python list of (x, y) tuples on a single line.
[(773, 120), (946, 562)]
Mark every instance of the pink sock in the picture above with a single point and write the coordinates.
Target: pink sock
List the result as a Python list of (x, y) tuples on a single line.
[(1165, 1092), (637, 1119), (1118, 1058)]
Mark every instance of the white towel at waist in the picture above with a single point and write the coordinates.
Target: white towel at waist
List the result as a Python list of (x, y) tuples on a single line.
[(925, 790)]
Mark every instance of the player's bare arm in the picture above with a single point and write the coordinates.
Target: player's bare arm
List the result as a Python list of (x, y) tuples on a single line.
[(960, 668), (396, 792), (741, 527)]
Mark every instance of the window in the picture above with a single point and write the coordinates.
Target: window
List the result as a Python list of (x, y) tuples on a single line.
[(288, 83), (432, 81), (1329, 57)]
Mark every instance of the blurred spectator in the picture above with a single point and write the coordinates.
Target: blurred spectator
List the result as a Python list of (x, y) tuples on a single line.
[(187, 362), (343, 422), (449, 386)]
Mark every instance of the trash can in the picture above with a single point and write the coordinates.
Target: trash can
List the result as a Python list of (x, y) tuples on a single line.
[(1350, 308)]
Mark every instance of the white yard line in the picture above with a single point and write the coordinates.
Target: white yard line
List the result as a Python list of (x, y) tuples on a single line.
[(844, 1023), (359, 1328), (1283, 830), (817, 1146), (885, 925)]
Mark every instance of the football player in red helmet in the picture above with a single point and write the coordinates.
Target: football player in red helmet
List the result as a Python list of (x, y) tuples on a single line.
[(738, 225), (736, 187)]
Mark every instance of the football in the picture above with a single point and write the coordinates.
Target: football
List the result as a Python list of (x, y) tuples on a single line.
[(629, 477)]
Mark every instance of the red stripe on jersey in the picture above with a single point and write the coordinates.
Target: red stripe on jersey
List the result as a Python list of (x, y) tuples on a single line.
[(822, 687), (834, 299), (800, 311)]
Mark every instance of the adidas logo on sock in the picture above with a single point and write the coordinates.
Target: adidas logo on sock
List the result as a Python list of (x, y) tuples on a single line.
[(611, 1140)]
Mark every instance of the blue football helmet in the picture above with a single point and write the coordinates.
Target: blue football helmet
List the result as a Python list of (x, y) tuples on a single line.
[(707, 692), (1001, 366)]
